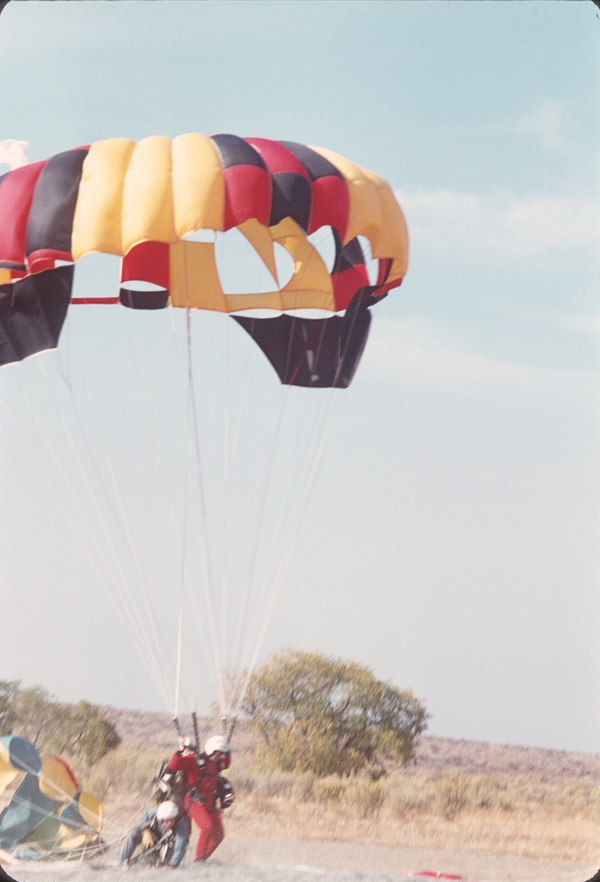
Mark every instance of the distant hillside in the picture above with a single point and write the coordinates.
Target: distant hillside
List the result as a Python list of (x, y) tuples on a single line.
[(475, 756), (144, 730), (155, 733)]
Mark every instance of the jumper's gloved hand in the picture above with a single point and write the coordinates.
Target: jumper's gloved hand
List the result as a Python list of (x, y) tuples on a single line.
[(149, 839)]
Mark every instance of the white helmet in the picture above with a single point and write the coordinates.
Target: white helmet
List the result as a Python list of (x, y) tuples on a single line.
[(189, 743), (216, 744), (167, 811)]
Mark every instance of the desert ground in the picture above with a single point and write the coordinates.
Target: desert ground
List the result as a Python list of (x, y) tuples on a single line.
[(543, 827), (243, 859)]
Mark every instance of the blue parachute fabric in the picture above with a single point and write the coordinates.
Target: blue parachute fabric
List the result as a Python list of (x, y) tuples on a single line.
[(70, 814), (21, 754), (27, 809)]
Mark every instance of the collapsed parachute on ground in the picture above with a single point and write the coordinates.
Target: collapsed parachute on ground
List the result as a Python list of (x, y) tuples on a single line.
[(141, 200), (47, 815)]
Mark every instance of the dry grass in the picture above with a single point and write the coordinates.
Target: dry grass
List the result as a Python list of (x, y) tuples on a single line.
[(521, 831), (462, 796), (121, 773), (501, 814), (521, 816), (521, 835)]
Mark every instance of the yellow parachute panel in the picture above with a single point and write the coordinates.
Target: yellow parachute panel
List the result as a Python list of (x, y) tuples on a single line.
[(97, 221), (198, 187), (148, 194), (56, 779)]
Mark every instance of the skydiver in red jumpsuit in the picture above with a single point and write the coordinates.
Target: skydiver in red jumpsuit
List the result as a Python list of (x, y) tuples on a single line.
[(206, 789)]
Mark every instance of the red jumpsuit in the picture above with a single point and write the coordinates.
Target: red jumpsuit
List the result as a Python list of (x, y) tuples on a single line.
[(201, 803)]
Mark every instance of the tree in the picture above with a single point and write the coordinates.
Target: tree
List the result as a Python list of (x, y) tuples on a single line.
[(35, 714), (330, 716), (84, 730), (9, 689), (81, 729)]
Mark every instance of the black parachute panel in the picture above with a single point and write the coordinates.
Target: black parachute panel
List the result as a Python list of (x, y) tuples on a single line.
[(32, 312), (320, 353)]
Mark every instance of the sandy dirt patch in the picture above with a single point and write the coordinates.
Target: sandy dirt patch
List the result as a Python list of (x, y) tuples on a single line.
[(242, 859), (392, 860)]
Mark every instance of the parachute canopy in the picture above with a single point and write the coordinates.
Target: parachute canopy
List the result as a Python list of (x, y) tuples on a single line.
[(143, 200), (47, 815)]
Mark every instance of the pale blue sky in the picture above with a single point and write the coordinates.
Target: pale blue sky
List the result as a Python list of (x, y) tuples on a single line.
[(451, 539)]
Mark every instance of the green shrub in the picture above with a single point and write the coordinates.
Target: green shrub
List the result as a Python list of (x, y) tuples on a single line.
[(80, 730), (328, 790), (452, 792), (507, 802), (295, 750), (580, 798), (365, 797), (123, 772), (360, 795), (409, 793), (484, 791)]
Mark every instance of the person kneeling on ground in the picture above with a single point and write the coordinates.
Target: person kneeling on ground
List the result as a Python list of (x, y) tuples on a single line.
[(208, 792), (165, 830)]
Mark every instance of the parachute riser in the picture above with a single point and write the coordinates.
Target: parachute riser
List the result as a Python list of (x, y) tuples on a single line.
[(228, 729), (195, 725)]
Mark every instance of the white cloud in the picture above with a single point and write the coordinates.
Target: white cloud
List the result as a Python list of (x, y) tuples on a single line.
[(417, 353), (12, 153), (548, 124), (470, 227), (585, 324)]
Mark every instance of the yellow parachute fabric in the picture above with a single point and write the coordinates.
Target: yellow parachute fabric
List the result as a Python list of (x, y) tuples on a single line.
[(164, 204), (56, 779), (162, 190)]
